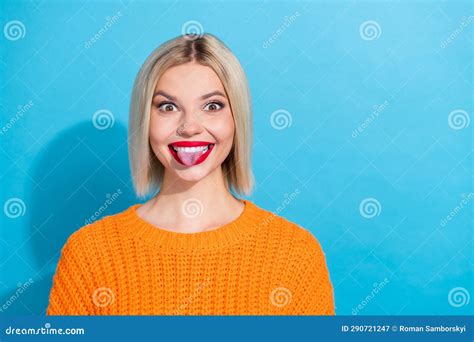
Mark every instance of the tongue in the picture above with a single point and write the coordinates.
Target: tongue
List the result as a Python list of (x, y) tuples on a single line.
[(189, 158)]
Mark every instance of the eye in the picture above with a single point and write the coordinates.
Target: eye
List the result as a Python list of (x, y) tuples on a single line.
[(214, 106), (167, 107)]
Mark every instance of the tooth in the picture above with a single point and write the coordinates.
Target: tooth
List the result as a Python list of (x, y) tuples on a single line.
[(192, 149)]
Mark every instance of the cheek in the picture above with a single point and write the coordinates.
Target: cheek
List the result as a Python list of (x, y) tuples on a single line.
[(223, 130), (160, 130)]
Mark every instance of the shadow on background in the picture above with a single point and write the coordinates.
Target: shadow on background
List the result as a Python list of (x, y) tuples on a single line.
[(76, 174)]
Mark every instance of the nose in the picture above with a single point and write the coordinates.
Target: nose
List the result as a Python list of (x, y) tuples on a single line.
[(190, 126)]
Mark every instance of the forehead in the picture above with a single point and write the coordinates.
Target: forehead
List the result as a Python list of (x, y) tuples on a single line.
[(189, 78)]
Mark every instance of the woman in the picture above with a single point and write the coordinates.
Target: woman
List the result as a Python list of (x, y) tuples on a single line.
[(194, 248)]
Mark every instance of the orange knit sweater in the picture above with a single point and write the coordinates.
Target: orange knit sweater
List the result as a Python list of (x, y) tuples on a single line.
[(259, 264)]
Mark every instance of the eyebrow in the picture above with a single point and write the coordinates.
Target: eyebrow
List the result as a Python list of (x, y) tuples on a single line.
[(212, 94), (162, 93), (173, 98)]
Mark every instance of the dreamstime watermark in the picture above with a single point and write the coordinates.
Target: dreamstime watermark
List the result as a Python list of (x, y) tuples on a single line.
[(14, 208), (192, 207), (368, 120), (466, 199), (458, 119), (462, 26), (110, 198), (283, 205), (280, 296), (195, 294), (192, 30), (46, 330), (103, 296), (21, 287), (21, 110), (287, 22), (288, 199), (109, 22), (458, 297), (370, 207), (370, 30), (281, 119), (14, 30), (103, 119), (376, 288)]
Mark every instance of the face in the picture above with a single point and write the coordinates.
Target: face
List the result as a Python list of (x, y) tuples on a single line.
[(191, 123)]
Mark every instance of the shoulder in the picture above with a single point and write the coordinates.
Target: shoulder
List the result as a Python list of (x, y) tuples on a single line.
[(96, 232), (296, 255), (289, 234), (302, 238)]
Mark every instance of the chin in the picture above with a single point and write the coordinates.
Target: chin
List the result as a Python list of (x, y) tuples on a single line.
[(192, 174)]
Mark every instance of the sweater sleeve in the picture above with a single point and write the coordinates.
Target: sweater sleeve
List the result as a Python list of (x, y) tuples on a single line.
[(315, 292), (70, 293)]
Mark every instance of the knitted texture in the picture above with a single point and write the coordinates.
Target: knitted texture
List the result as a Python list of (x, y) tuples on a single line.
[(258, 264)]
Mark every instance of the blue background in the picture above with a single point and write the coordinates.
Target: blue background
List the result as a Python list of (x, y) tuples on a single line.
[(322, 70)]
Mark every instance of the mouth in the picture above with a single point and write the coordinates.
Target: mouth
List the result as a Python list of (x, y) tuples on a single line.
[(190, 153)]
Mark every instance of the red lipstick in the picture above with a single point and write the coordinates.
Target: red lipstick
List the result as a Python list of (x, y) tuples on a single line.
[(190, 153)]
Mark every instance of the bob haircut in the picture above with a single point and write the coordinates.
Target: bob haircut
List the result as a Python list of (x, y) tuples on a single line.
[(208, 50)]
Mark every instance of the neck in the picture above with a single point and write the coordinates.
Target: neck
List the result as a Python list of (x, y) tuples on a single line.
[(195, 206)]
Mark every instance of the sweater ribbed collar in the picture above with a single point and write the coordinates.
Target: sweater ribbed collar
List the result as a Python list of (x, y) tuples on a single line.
[(246, 224)]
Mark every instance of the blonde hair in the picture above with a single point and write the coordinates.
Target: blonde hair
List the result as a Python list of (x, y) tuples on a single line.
[(147, 170)]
